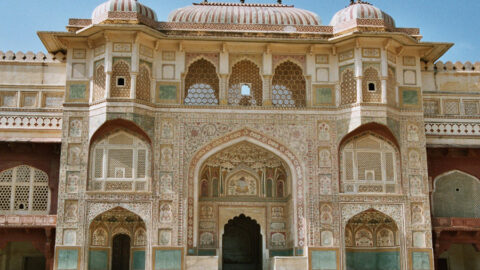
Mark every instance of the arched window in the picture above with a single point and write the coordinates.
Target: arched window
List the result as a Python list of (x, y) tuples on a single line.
[(201, 84), (369, 165), (120, 162), (120, 83), (371, 86), (245, 84), (143, 83), (348, 86), (24, 190), (99, 81), (288, 86), (391, 87)]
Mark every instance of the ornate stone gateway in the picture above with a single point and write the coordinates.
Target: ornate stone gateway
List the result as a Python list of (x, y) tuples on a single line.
[(242, 244)]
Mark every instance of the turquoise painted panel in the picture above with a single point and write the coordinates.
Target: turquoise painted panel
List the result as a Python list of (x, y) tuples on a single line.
[(373, 260), (456, 195), (98, 260), (138, 260), (410, 97), (421, 260), (67, 259), (168, 259), (324, 95), (167, 92), (281, 253), (324, 260), (299, 252), (78, 91)]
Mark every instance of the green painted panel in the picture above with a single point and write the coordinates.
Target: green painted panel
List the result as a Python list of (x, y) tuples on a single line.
[(67, 259), (207, 252), (98, 260), (168, 259), (363, 260), (456, 195), (324, 95), (78, 91), (138, 260), (410, 97), (167, 92), (324, 260), (420, 260), (281, 253)]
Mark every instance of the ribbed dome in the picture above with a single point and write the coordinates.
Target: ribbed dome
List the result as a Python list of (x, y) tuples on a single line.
[(235, 13), (131, 9), (361, 10)]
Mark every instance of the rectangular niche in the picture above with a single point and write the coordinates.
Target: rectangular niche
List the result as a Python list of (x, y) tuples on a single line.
[(168, 71), (410, 97), (29, 99), (8, 99), (323, 74), (78, 91), (52, 100), (78, 70)]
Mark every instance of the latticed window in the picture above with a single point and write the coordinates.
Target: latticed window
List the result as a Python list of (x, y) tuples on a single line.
[(288, 86), (120, 163), (143, 83), (201, 84), (369, 166), (348, 87), (99, 81), (24, 190)]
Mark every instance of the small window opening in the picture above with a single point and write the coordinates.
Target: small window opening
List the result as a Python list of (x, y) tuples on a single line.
[(246, 89), (372, 87), (369, 175), (120, 81), (21, 206), (457, 189)]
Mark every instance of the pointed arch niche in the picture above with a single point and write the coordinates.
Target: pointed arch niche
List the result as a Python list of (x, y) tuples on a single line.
[(372, 239), (370, 161), (117, 239), (245, 170), (120, 158)]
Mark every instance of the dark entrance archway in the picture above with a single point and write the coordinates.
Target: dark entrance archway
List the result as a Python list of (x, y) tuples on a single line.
[(121, 252), (242, 245)]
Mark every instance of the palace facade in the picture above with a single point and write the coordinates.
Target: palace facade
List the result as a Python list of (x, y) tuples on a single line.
[(238, 136)]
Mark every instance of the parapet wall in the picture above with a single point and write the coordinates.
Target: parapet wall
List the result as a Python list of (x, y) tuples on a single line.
[(31, 57), (451, 77)]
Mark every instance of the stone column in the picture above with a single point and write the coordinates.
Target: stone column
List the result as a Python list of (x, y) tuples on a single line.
[(359, 74), (384, 75), (134, 70), (133, 85), (223, 95), (267, 90), (108, 68)]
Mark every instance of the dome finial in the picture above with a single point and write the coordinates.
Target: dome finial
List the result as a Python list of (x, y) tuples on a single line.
[(279, 1)]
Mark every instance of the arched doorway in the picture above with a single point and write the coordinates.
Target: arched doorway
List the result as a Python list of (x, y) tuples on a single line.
[(242, 245), (121, 252), (372, 242), (118, 240)]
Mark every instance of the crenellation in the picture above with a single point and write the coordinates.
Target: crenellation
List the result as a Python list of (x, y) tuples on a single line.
[(28, 57)]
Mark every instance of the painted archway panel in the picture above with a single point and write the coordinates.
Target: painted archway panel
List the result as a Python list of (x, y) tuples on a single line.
[(455, 195), (373, 260), (98, 259)]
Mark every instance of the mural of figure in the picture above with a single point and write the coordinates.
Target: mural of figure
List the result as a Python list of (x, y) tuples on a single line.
[(206, 212), (324, 158), (166, 215), (140, 237), (414, 159), (164, 237), (385, 238), (206, 239), (167, 129), (326, 214), (278, 239), (416, 186), (363, 238), (323, 132), (166, 183), (74, 155), (75, 128), (412, 133), (71, 211), (167, 156), (204, 188), (99, 237), (325, 185), (417, 214)]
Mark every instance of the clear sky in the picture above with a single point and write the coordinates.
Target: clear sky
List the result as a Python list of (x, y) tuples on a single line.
[(454, 21)]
